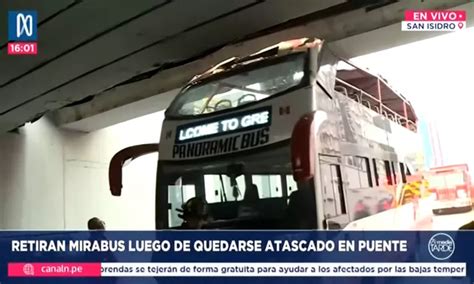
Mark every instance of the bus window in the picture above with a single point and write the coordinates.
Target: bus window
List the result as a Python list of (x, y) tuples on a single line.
[(177, 195), (395, 173), (337, 177), (376, 173), (241, 88), (352, 172), (358, 172), (381, 170), (364, 171), (188, 192), (219, 189), (388, 172), (334, 202), (402, 170), (269, 186), (327, 181)]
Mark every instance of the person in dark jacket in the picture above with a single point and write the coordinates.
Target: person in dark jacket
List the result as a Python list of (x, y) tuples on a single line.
[(195, 213), (301, 210), (95, 224), (97, 228)]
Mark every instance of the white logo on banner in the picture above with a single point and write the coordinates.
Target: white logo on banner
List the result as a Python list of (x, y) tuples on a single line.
[(28, 269), (24, 24), (441, 246)]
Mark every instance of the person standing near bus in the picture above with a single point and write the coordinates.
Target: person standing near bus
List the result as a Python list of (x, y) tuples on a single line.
[(95, 224)]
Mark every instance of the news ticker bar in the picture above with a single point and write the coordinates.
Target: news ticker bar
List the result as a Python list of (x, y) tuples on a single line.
[(135, 269)]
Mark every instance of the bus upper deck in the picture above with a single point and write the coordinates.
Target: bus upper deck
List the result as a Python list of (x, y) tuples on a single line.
[(375, 93), (357, 83)]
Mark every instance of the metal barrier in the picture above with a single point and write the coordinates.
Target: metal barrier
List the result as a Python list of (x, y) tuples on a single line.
[(366, 103)]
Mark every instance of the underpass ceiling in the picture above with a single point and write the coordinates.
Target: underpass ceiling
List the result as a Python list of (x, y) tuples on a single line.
[(86, 47)]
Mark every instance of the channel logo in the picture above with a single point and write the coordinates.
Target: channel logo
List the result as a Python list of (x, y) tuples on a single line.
[(434, 21), (441, 246), (22, 32), (22, 26)]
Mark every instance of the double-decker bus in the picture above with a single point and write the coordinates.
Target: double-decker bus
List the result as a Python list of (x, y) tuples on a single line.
[(324, 144)]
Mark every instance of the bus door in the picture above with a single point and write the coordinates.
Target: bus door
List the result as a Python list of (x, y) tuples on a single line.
[(333, 195)]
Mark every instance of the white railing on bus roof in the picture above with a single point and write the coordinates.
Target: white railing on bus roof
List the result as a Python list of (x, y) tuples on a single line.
[(380, 108)]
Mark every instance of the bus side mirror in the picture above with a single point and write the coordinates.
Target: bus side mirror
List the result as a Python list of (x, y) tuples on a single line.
[(121, 158)]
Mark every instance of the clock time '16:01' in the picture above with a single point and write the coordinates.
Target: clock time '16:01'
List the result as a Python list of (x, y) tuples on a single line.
[(22, 48)]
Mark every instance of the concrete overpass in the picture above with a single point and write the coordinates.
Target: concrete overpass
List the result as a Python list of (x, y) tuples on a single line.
[(100, 63)]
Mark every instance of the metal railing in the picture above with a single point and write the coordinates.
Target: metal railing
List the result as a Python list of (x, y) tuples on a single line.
[(359, 95)]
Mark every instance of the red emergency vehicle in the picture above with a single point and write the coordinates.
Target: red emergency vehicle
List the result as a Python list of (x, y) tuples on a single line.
[(451, 188)]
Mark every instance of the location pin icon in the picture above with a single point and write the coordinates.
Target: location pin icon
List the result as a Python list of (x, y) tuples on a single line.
[(460, 25)]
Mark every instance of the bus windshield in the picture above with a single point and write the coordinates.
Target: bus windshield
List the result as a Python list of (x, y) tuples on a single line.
[(247, 86), (254, 188)]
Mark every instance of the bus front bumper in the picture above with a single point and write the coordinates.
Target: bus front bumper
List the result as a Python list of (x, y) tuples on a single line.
[(452, 206)]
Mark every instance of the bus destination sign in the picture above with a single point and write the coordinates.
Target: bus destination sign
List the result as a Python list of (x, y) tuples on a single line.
[(238, 122), (258, 119)]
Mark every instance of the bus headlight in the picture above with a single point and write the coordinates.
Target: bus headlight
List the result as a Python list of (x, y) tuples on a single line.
[(461, 193)]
